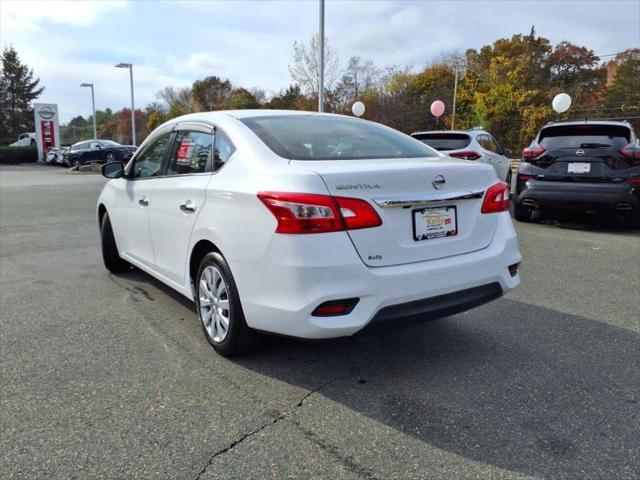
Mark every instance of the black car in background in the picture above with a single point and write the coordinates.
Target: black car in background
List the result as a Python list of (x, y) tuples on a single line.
[(98, 151), (589, 166)]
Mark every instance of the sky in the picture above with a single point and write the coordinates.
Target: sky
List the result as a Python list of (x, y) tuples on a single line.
[(250, 42)]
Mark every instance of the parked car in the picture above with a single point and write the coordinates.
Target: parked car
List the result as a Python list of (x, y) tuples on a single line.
[(266, 225), (97, 151), (475, 144), (55, 156), (590, 166), (25, 140)]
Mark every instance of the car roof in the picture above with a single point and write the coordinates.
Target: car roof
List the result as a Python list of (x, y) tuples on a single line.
[(589, 122), (463, 132), (248, 113)]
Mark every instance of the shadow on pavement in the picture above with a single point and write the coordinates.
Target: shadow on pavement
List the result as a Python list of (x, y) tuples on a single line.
[(520, 387)]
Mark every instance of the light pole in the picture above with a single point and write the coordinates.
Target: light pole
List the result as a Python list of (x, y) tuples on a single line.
[(455, 94), (93, 105), (321, 82), (133, 108)]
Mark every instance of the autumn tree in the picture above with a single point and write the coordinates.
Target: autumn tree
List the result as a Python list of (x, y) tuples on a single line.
[(211, 93), (18, 88)]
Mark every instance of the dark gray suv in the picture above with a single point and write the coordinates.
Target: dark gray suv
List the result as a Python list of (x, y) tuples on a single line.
[(589, 166)]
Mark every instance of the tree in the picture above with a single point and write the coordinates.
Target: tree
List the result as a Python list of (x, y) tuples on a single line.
[(179, 101), (211, 93), (305, 69), (18, 88), (576, 71), (358, 78), (622, 98)]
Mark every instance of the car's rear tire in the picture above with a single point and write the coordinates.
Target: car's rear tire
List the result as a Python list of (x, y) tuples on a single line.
[(219, 308), (522, 213), (110, 255)]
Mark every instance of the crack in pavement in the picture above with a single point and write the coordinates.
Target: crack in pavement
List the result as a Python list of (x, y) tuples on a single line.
[(280, 417)]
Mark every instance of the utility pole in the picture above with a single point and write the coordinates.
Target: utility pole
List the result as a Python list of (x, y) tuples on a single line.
[(321, 73), (455, 92)]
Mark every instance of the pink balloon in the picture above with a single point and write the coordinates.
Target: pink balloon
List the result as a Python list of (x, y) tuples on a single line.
[(437, 108)]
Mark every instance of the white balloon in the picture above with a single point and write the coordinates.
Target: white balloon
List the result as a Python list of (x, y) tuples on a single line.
[(358, 109), (561, 102)]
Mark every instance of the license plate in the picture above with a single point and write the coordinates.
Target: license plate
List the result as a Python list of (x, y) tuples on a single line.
[(434, 222), (579, 167)]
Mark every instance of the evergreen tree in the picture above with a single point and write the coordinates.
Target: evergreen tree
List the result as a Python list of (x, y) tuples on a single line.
[(18, 88)]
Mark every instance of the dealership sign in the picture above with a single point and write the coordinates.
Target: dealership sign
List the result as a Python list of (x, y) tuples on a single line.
[(47, 131)]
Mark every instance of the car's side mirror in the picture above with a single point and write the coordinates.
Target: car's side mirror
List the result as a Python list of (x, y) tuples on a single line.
[(113, 170), (507, 152)]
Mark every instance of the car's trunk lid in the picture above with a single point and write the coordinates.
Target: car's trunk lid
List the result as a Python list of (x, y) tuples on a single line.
[(397, 188)]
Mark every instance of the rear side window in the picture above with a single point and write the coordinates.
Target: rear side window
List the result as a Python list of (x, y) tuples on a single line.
[(224, 149), (487, 143), (444, 141), (191, 153), (317, 137), (585, 136)]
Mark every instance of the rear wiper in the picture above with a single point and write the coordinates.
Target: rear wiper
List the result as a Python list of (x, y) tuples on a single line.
[(594, 145)]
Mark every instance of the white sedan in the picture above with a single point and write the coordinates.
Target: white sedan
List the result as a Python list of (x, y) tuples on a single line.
[(475, 144), (306, 224)]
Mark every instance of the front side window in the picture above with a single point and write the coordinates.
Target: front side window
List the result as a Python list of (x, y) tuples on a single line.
[(95, 144), (319, 137), (149, 162), (191, 153)]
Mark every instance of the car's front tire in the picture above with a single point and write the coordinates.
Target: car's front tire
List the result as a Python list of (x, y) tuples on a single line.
[(219, 308), (110, 256), (110, 157)]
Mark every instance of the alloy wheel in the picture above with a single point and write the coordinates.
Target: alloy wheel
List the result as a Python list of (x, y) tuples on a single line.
[(213, 301)]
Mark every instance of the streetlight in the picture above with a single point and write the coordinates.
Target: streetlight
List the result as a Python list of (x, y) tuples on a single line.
[(133, 108), (93, 104), (321, 72)]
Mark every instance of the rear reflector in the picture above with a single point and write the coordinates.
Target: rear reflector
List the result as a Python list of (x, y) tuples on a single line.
[(299, 213), (466, 155), (335, 308), (513, 269), (496, 199)]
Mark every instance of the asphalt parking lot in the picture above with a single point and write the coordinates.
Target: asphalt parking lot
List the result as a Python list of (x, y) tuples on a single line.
[(108, 376)]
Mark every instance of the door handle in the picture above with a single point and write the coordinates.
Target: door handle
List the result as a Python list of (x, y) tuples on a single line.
[(144, 202), (188, 207)]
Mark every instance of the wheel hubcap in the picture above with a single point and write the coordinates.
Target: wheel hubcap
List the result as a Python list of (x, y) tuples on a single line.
[(213, 299)]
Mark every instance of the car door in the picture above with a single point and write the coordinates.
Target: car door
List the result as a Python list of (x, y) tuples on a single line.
[(131, 222), (179, 197)]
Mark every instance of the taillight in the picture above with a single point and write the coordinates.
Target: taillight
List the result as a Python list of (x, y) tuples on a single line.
[(532, 151), (631, 151), (299, 213), (635, 181), (466, 155), (496, 199)]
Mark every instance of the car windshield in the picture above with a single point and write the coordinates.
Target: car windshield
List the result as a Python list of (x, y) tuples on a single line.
[(316, 137), (444, 141), (584, 136)]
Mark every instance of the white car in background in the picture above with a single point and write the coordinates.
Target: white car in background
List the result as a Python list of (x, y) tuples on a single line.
[(25, 140), (306, 224), (476, 144)]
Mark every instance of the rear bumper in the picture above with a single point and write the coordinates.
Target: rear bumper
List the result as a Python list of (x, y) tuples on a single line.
[(580, 196), (287, 291)]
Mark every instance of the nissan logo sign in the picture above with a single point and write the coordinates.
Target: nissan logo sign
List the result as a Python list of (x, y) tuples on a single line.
[(46, 112), (438, 182)]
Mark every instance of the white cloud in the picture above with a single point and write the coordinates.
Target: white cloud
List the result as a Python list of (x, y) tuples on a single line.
[(27, 15)]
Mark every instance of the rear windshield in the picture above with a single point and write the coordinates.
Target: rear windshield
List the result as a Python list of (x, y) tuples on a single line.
[(314, 137), (444, 141), (585, 136)]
